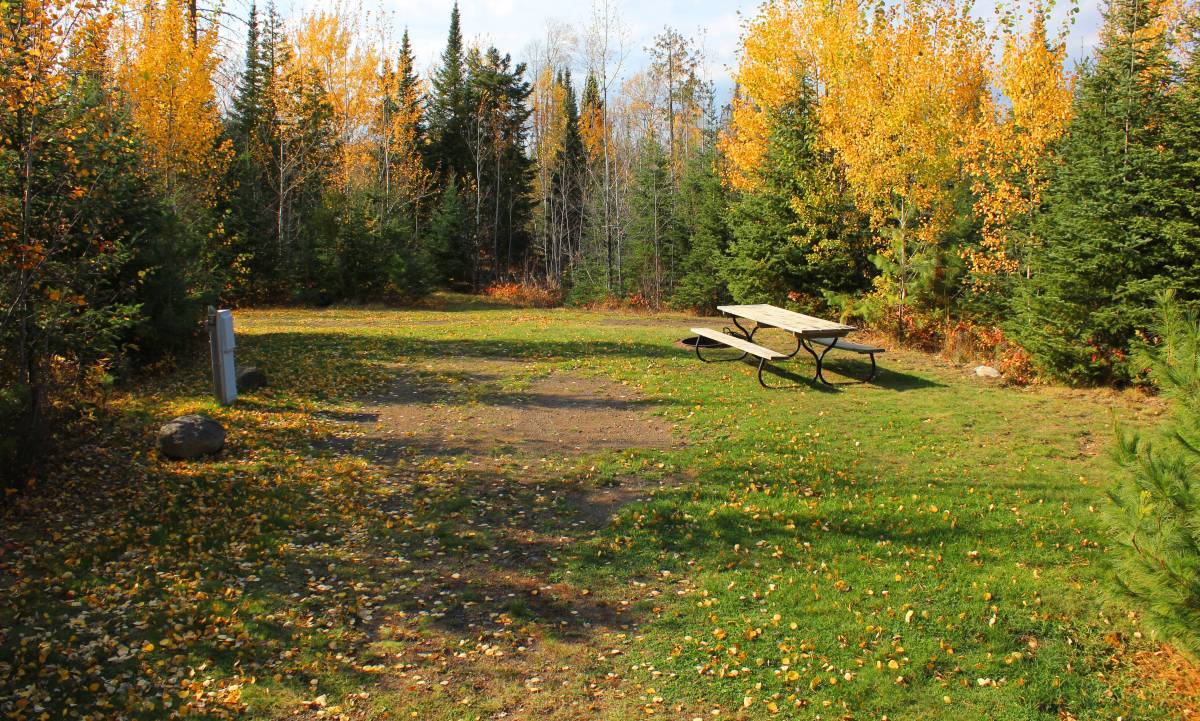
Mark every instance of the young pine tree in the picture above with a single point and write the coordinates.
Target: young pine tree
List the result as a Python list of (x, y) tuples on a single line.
[(444, 238), (1111, 225), (1154, 518)]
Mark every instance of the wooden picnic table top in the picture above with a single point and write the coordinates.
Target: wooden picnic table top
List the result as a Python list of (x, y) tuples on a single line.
[(798, 323)]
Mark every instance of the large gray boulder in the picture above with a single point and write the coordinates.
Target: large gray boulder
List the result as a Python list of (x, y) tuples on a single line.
[(190, 436), (250, 378), (987, 372)]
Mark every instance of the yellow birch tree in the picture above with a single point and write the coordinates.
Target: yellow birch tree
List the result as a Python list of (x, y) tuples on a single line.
[(168, 82), (777, 56), (902, 88), (1007, 152), (327, 48), (405, 179)]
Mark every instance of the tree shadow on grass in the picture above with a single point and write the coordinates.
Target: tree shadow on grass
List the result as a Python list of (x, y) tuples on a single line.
[(855, 371), (479, 539), (285, 547), (797, 380), (800, 372), (384, 348)]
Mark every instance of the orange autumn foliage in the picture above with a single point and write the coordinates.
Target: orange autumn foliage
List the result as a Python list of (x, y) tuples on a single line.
[(548, 124), (403, 173), (777, 56), (903, 88), (592, 130)]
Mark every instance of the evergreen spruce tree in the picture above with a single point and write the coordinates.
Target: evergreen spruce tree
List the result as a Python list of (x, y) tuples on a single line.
[(248, 103), (589, 276), (1112, 226), (700, 285), (1183, 140), (444, 239), (796, 232), (572, 140), (501, 171), (569, 175), (653, 241), (1155, 510), (591, 100), (250, 219), (406, 70), (449, 108)]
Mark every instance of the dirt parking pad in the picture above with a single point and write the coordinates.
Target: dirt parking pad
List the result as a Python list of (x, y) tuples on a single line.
[(557, 414)]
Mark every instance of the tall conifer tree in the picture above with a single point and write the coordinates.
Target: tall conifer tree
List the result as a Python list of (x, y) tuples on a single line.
[(249, 131), (707, 206), (449, 107), (408, 85), (1111, 225), (568, 177), (247, 105), (1183, 133), (796, 230)]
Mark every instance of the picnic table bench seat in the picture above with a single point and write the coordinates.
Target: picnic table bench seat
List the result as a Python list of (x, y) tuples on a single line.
[(848, 345), (763, 353), (741, 344)]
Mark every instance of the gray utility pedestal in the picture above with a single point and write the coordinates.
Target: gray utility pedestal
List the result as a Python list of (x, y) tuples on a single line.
[(221, 346)]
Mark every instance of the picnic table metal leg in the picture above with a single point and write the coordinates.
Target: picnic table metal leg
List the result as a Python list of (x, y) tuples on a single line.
[(761, 363), (821, 361), (747, 334), (818, 359)]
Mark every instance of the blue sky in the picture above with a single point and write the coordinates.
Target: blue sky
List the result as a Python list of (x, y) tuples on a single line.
[(511, 25)]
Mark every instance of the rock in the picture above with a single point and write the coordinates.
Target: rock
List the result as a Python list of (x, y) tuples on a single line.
[(250, 378), (987, 372), (190, 436)]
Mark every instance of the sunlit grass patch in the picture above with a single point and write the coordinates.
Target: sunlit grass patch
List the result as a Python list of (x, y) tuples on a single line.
[(926, 546)]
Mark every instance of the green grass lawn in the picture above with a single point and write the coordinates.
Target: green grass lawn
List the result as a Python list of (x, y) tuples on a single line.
[(926, 546)]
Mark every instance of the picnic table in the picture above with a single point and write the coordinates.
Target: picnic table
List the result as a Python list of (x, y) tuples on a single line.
[(809, 332)]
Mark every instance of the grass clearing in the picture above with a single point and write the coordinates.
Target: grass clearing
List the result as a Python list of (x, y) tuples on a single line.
[(927, 546)]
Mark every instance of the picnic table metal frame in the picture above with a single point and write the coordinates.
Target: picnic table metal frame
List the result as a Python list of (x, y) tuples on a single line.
[(831, 331), (761, 361)]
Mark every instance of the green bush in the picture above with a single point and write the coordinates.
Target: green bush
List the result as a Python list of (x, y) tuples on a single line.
[(1155, 511)]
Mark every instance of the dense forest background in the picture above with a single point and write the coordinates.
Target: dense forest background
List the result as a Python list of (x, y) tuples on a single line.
[(946, 179)]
